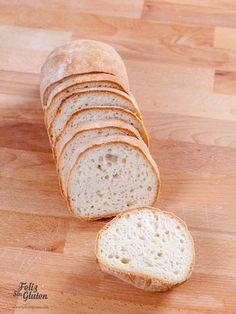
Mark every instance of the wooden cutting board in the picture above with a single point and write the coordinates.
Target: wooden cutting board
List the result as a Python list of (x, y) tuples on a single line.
[(181, 60)]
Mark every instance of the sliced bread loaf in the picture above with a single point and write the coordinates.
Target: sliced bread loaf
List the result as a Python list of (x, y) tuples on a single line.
[(110, 174), (77, 82), (149, 248), (84, 134), (81, 57), (57, 112), (98, 113)]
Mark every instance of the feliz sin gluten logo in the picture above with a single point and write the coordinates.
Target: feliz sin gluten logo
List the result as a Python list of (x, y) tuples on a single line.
[(29, 291)]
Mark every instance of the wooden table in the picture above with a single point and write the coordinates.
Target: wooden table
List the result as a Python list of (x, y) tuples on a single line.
[(181, 60)]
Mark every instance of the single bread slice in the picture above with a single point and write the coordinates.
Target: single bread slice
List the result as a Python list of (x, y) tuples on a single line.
[(81, 57), (84, 134), (98, 113), (110, 174), (147, 247), (58, 112), (79, 82)]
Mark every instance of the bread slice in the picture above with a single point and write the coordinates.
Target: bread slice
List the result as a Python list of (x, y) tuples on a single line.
[(58, 112), (81, 57), (110, 174), (147, 247), (98, 113), (84, 134), (83, 81)]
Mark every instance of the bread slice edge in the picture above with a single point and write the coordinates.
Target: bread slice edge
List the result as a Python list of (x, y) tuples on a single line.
[(81, 80), (135, 108), (142, 130), (96, 125)]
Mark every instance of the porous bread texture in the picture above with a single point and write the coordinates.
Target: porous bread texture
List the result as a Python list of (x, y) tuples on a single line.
[(98, 113), (81, 57), (147, 247), (57, 115), (111, 174), (84, 136), (83, 81)]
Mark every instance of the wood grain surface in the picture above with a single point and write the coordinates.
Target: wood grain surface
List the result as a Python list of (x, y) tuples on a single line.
[(181, 60)]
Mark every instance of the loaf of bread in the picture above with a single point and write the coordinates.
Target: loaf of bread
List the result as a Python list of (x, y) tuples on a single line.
[(111, 174), (146, 247)]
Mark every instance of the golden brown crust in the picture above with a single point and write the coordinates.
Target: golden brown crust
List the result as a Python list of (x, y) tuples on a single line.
[(142, 129), (141, 280), (135, 108), (117, 139), (81, 57)]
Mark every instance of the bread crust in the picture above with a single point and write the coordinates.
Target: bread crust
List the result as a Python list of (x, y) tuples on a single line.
[(135, 107), (141, 280), (142, 130), (116, 139), (81, 79), (81, 57)]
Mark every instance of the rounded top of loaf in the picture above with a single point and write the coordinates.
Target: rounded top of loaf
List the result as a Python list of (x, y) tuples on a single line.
[(81, 57)]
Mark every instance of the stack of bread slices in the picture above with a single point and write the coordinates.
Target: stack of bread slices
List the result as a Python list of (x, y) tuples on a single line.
[(100, 147), (96, 131)]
